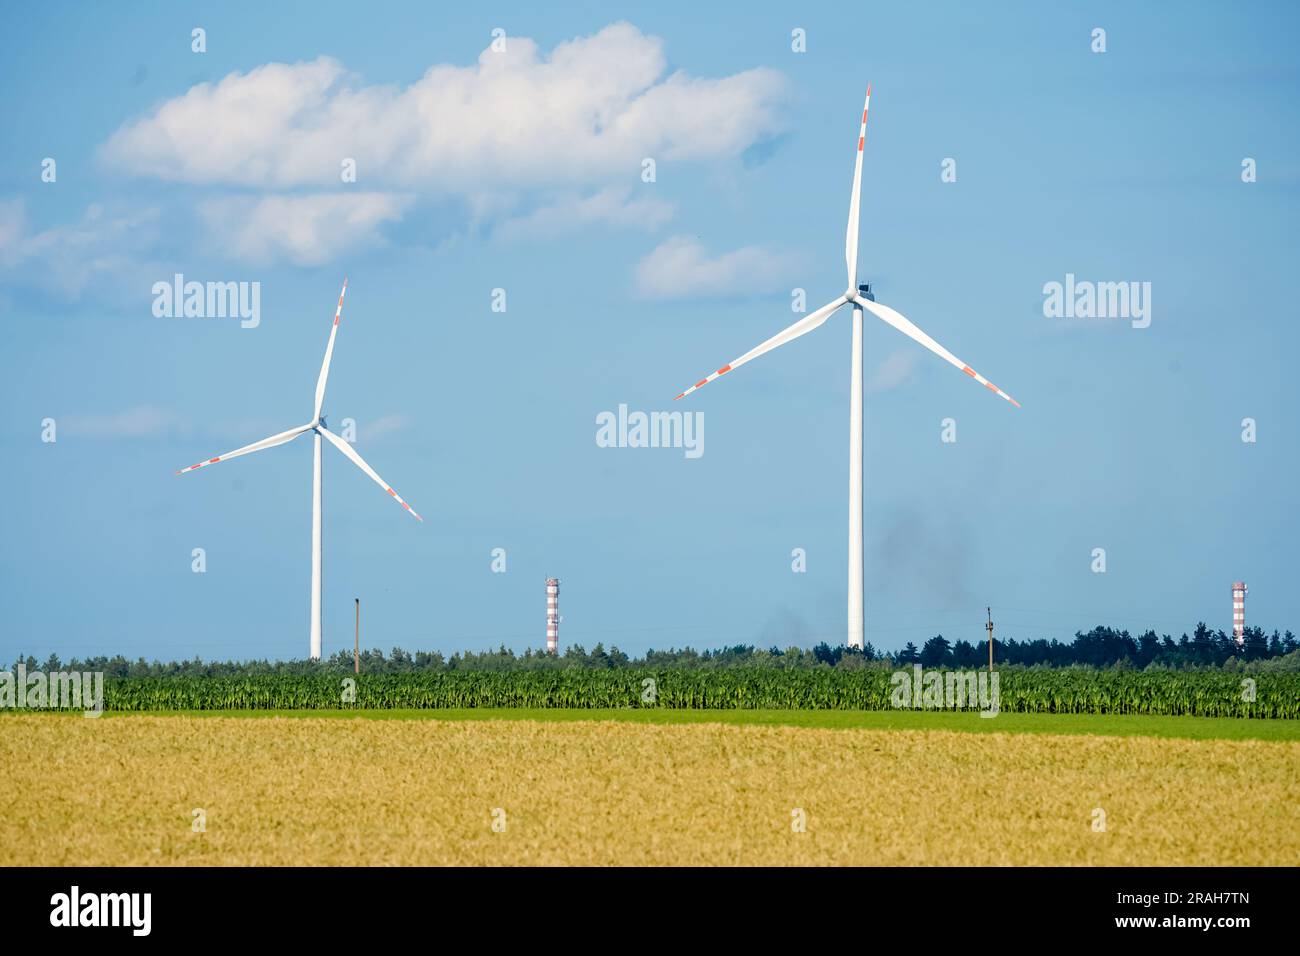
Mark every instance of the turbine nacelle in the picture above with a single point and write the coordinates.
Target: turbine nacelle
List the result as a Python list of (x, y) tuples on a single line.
[(864, 291)]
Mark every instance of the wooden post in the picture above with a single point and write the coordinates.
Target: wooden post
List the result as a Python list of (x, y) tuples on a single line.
[(989, 628), (356, 647)]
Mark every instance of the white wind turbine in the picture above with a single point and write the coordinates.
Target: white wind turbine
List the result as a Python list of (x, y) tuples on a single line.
[(317, 425), (861, 298)]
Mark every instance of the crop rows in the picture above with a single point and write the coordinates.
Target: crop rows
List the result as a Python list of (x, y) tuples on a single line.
[(1066, 691)]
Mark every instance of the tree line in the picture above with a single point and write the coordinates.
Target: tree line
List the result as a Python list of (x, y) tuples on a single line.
[(1101, 647)]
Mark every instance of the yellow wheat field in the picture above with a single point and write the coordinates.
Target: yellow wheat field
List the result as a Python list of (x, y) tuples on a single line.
[(327, 791)]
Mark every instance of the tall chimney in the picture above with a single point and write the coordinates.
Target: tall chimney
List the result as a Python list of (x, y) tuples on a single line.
[(1239, 612), (553, 615)]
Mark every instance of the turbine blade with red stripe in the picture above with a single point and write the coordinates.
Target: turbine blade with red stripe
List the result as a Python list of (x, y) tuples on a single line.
[(851, 235), (803, 326), (271, 442), (329, 354), (357, 460), (904, 325)]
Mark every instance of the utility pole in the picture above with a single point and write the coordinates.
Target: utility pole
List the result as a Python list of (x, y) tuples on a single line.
[(356, 647), (989, 627)]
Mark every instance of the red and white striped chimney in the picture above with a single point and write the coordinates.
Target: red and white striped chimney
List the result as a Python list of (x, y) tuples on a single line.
[(1239, 612), (553, 615)]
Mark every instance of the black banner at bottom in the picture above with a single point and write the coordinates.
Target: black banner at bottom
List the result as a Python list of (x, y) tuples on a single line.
[(334, 905)]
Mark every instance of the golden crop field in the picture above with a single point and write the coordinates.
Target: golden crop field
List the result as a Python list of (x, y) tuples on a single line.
[(328, 791)]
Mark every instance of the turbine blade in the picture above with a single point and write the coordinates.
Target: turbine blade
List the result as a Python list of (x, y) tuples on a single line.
[(271, 442), (357, 460), (329, 354), (804, 325), (851, 235), (901, 322)]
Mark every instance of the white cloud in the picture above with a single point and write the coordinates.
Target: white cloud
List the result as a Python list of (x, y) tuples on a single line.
[(893, 371), (591, 109), (536, 142), (66, 259), (681, 268), (307, 230), (613, 205)]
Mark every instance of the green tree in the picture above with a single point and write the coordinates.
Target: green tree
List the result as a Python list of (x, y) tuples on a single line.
[(937, 652)]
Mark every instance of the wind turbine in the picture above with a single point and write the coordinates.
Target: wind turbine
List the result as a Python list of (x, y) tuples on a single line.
[(860, 297), (316, 425)]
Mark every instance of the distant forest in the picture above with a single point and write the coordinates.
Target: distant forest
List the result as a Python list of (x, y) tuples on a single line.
[(1102, 647)]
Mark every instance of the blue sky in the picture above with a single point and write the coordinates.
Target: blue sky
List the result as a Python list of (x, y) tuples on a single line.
[(1116, 166)]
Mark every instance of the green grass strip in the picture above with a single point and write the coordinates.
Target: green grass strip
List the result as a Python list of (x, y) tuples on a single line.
[(1110, 725)]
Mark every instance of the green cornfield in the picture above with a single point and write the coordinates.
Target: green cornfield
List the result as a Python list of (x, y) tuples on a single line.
[(1063, 691)]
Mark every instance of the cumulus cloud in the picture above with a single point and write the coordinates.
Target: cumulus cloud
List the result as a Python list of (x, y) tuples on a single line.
[(594, 107), (682, 268), (537, 142), (612, 206), (306, 230), (65, 259)]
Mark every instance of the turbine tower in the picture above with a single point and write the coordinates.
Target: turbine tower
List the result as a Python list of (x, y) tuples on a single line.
[(317, 427), (861, 298)]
